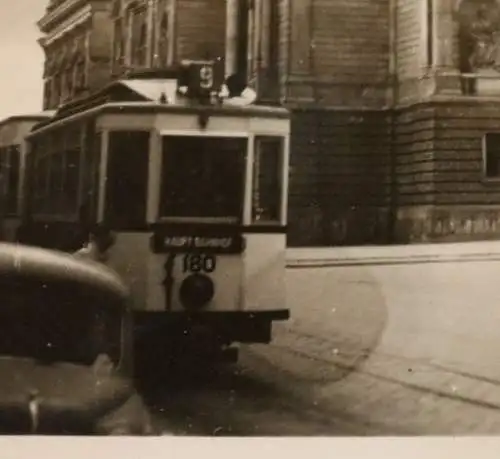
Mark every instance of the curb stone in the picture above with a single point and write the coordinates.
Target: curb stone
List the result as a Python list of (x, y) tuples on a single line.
[(392, 255)]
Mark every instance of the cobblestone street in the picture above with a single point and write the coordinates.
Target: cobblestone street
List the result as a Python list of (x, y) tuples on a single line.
[(399, 349)]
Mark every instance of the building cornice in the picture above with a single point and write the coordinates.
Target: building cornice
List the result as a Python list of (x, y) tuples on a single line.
[(55, 16), (77, 18), (52, 18)]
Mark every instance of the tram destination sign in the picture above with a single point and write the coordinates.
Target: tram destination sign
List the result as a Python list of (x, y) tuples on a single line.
[(164, 243)]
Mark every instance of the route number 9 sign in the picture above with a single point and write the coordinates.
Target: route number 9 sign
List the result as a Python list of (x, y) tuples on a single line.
[(206, 77)]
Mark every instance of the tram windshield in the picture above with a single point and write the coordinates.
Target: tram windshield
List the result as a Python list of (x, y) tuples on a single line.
[(203, 177), (47, 327)]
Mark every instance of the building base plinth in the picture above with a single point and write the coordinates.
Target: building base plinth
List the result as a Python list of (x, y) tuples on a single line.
[(447, 224)]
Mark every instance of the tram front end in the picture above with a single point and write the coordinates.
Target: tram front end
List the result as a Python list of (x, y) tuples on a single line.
[(207, 270)]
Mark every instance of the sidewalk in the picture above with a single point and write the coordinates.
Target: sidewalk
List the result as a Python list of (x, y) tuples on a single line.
[(403, 341), (392, 254)]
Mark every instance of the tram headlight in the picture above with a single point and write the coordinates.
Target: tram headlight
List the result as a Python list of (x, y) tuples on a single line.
[(196, 291)]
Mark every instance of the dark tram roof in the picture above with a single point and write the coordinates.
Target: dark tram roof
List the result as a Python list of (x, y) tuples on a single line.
[(132, 87), (115, 91), (28, 117)]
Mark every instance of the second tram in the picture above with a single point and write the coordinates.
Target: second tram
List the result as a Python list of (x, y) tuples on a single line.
[(13, 131)]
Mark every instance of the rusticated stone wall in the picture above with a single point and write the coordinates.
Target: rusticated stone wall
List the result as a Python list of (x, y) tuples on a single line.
[(339, 178), (442, 192)]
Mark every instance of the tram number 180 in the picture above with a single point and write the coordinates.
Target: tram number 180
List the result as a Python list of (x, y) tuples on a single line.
[(199, 263)]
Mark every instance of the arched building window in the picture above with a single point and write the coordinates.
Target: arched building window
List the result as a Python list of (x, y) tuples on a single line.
[(62, 67), (80, 73), (47, 94), (163, 41), (140, 53), (69, 79), (70, 75), (57, 88), (118, 45), (47, 67), (48, 75), (138, 36)]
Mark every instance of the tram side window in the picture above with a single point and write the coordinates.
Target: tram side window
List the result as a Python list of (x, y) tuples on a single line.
[(71, 180), (56, 175), (203, 177), (127, 177), (12, 193), (9, 174), (267, 179), (40, 184), (56, 167), (88, 210)]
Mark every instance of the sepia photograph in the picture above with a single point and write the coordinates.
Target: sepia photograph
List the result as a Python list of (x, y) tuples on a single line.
[(249, 218)]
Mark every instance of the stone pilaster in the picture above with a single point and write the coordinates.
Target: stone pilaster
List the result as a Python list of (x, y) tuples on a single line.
[(150, 27), (447, 73), (231, 35)]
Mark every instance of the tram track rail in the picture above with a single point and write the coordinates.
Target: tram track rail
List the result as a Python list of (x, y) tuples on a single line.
[(414, 365), (273, 392)]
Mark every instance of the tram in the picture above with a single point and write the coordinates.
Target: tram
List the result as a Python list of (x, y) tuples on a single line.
[(188, 178), (13, 131)]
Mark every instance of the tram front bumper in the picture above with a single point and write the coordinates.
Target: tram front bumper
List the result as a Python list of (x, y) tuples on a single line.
[(226, 326)]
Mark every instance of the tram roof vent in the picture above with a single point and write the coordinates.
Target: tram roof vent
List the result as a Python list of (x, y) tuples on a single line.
[(156, 90)]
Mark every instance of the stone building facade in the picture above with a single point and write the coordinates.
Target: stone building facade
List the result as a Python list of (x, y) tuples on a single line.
[(396, 120), (446, 118), (77, 44), (395, 103), (153, 34)]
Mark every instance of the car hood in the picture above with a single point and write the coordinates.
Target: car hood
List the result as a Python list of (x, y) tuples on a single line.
[(56, 399)]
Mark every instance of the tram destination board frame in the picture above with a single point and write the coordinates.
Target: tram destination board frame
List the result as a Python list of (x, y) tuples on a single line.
[(167, 242)]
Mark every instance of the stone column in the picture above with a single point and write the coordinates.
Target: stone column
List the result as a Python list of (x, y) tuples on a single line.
[(265, 31), (447, 74), (150, 32), (128, 38), (156, 18), (254, 43), (231, 36)]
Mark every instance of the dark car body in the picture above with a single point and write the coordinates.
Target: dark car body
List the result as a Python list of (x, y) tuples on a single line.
[(65, 347)]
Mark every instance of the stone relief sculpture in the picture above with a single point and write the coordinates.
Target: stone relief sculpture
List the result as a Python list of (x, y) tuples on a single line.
[(484, 33), (479, 35)]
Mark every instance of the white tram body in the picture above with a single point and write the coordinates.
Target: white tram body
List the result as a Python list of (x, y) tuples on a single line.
[(195, 196)]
